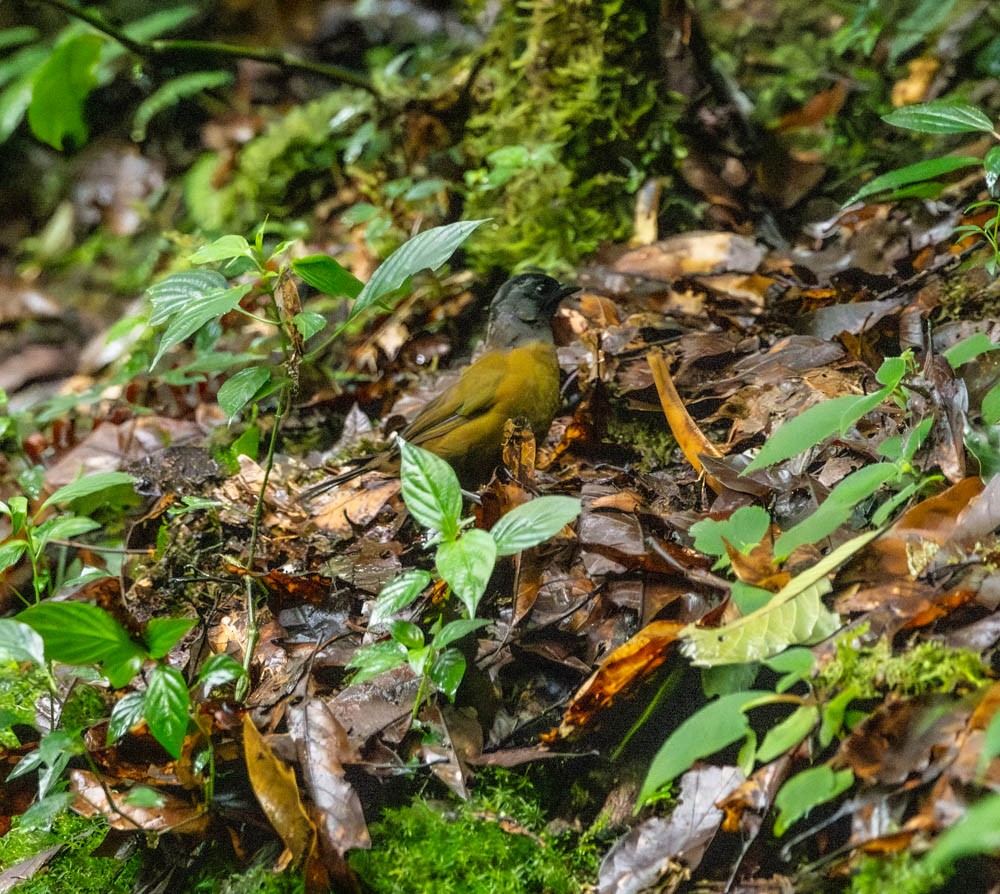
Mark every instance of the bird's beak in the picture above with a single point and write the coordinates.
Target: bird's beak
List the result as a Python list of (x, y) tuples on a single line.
[(566, 291)]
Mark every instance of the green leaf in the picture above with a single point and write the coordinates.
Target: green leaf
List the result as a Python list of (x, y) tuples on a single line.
[(129, 711), (63, 528), (225, 248), (941, 116), (425, 251), (814, 426), (162, 634), (455, 630), (219, 670), (239, 389), (714, 727), (446, 672), (991, 171), (532, 523), (807, 790), (370, 661), (978, 832), (309, 323), (991, 405), (922, 170), (186, 301), (78, 633), (838, 507), (89, 485), (466, 564), (788, 733), (62, 85), (167, 708), (430, 489), (170, 93), (163, 20), (398, 594), (144, 796), (969, 348), (10, 553), (773, 628), (744, 529), (324, 274), (19, 642), (796, 664), (407, 634)]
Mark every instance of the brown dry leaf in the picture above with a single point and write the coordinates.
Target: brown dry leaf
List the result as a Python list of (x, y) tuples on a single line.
[(816, 109), (629, 664), (323, 748), (172, 815), (111, 444), (27, 869), (691, 254), (662, 852), (687, 434), (913, 88), (339, 510), (274, 785)]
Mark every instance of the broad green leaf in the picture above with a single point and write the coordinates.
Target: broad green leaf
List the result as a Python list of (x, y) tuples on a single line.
[(162, 634), (309, 323), (430, 489), (19, 642), (167, 708), (978, 832), (455, 630), (765, 632), (891, 371), (743, 530), (788, 733), (773, 628), (78, 633), (11, 37), (370, 661), (532, 523), (325, 275), (10, 553), (239, 389), (398, 594), (807, 790), (922, 19), (144, 796), (748, 598), (446, 672), (969, 348), (425, 251), (187, 301), (795, 664), (225, 248), (714, 727), (922, 170), (991, 405), (466, 564), (62, 85), (87, 486), (170, 93), (837, 508), (64, 528), (163, 20), (407, 634), (833, 714), (219, 670), (941, 116), (129, 711), (814, 426), (991, 171)]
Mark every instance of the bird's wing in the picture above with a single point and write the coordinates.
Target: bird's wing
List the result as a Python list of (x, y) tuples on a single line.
[(473, 394)]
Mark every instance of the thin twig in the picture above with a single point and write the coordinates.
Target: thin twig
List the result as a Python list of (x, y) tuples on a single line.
[(157, 48)]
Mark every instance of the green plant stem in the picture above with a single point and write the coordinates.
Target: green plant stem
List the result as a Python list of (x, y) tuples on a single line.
[(253, 629), (212, 48)]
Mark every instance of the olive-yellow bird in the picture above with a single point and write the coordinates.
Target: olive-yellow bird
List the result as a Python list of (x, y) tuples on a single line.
[(517, 377)]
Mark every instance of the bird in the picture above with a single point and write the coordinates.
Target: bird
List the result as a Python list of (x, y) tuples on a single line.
[(516, 377)]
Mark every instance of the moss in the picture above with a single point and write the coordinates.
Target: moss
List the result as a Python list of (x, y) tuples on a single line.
[(72, 869), (252, 880), (19, 690), (496, 843), (900, 873), (652, 442), (922, 668), (572, 118)]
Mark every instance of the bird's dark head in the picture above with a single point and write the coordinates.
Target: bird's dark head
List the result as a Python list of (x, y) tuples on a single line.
[(522, 309)]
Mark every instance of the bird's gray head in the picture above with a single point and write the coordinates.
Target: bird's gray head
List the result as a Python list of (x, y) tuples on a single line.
[(522, 309)]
